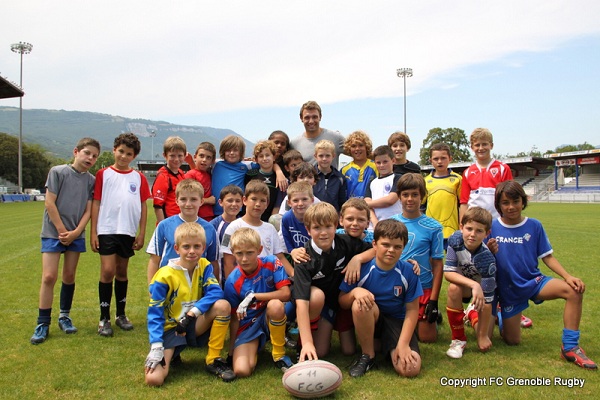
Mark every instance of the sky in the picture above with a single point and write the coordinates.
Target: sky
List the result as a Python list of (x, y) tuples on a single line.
[(525, 70)]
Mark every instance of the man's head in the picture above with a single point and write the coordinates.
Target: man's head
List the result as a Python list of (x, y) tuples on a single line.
[(310, 115)]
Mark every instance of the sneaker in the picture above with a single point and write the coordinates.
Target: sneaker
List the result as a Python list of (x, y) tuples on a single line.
[(176, 361), (66, 325), (456, 348), (40, 334), (526, 322), (577, 356), (284, 363), (124, 323), (220, 368), (467, 312), (361, 365), (290, 343), (104, 328)]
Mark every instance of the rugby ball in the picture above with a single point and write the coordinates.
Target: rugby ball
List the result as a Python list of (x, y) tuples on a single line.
[(312, 379)]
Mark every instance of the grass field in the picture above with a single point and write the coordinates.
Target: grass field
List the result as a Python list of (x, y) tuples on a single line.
[(85, 365)]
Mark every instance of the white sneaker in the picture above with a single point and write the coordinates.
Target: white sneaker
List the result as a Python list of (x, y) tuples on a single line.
[(456, 348), (470, 308)]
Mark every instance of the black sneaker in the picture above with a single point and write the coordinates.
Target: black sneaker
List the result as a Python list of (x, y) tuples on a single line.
[(220, 368), (284, 363), (290, 343), (176, 361), (361, 365)]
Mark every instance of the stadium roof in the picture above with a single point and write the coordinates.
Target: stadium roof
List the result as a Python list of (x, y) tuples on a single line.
[(8, 90)]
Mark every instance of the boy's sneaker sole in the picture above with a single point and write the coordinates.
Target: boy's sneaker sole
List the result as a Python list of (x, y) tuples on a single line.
[(526, 322), (66, 325), (577, 356), (40, 334), (457, 347)]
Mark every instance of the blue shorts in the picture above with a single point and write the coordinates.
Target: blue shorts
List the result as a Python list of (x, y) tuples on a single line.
[(179, 343), (510, 310), (55, 246), (341, 320), (257, 329), (121, 245)]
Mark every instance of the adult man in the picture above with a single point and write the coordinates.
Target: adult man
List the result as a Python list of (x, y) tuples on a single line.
[(310, 115)]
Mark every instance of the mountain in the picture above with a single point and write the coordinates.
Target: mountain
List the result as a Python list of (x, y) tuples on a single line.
[(58, 131)]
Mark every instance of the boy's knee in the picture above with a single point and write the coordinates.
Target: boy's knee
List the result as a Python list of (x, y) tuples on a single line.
[(242, 371), (154, 379), (49, 279), (222, 307), (275, 309)]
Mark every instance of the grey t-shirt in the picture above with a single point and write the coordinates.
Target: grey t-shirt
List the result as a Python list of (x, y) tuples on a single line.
[(306, 146), (73, 190)]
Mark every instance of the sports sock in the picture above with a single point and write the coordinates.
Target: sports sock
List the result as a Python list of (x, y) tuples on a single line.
[(121, 296), (216, 341), (473, 318), (105, 295), (314, 323), (66, 298), (277, 329), (456, 322), (570, 338), (44, 316)]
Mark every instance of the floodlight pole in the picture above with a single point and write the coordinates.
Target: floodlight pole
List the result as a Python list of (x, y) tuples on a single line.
[(21, 48), (152, 135), (404, 73)]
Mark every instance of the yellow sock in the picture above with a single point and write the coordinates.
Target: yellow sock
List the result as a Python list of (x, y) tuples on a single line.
[(216, 341), (277, 329)]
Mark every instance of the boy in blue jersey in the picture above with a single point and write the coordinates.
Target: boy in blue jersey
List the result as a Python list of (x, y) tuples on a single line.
[(425, 245), (354, 219), (471, 270), (521, 243), (331, 184), (186, 308), (385, 303), (293, 232), (256, 289), (361, 171), (189, 196)]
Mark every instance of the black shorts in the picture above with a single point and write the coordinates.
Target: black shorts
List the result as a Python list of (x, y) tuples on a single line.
[(388, 330), (121, 245)]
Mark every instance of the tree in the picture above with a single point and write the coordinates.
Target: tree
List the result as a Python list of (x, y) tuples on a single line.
[(36, 164), (106, 159), (453, 137)]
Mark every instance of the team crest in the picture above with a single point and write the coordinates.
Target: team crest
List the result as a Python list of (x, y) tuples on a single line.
[(397, 291), (527, 236), (132, 187), (494, 171), (388, 187)]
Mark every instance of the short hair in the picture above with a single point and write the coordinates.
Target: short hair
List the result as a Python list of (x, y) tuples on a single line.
[(411, 181), (383, 151), (208, 146), (173, 144), (300, 187), (326, 145), (291, 155), (190, 230), (358, 203), (130, 140), (232, 142), (303, 169), (399, 137), (358, 137), (481, 134), (86, 141), (391, 229), (189, 185), (310, 105), (440, 147), (230, 189), (511, 189), (282, 133), (478, 214), (263, 145), (245, 237), (321, 214), (256, 187)]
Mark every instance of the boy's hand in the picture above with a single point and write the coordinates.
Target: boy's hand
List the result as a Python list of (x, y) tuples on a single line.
[(576, 283), (484, 343), (67, 237), (478, 299), (282, 182), (94, 243), (492, 244), (154, 358), (352, 271), (308, 352), (416, 266), (431, 311), (403, 355), (243, 307), (364, 299), (138, 243), (183, 323), (300, 255)]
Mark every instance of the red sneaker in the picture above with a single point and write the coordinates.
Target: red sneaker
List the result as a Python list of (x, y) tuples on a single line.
[(526, 322), (577, 356)]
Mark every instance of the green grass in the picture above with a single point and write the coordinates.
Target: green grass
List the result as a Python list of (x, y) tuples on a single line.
[(85, 365)]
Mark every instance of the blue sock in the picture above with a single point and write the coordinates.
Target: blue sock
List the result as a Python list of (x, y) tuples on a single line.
[(44, 316), (570, 338)]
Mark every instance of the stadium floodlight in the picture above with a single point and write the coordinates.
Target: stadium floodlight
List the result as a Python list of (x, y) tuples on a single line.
[(152, 135), (21, 48), (404, 73)]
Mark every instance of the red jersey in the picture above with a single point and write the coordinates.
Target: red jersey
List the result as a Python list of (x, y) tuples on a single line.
[(479, 185), (163, 190), (206, 210)]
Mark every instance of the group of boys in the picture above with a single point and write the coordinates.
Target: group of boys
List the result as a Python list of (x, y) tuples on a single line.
[(208, 263)]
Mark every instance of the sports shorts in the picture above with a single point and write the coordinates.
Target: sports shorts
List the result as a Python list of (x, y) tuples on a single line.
[(388, 330), (258, 328), (341, 319), (50, 245), (510, 310), (179, 343), (121, 245)]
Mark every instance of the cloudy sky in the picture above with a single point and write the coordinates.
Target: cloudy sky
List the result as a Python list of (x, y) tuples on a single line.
[(526, 70)]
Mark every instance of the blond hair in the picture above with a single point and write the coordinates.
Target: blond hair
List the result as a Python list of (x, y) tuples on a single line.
[(326, 145), (245, 237), (173, 144), (300, 187), (189, 185), (321, 214), (190, 230), (481, 134), (359, 137), (358, 203), (263, 145)]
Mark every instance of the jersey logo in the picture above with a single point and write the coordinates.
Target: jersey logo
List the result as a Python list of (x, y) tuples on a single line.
[(398, 291), (132, 187), (527, 236), (494, 171)]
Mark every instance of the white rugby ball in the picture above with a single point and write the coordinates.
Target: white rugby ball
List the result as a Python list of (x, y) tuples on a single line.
[(312, 379)]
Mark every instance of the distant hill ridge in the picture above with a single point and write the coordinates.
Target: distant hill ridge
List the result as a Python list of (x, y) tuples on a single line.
[(58, 130)]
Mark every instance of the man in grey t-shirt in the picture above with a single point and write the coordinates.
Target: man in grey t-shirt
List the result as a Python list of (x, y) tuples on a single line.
[(310, 115)]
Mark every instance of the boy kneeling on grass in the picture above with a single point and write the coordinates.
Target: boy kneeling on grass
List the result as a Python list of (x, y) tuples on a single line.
[(385, 304), (186, 308), (256, 289), (471, 270)]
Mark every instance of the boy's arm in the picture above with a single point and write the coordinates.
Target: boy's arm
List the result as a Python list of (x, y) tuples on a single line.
[(94, 244), (228, 265), (437, 269), (211, 291), (139, 240), (385, 201), (50, 204), (352, 269), (485, 318), (153, 265), (361, 296), (282, 182), (289, 270), (462, 210), (74, 234), (463, 281), (575, 283), (216, 269), (403, 353), (308, 352)]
